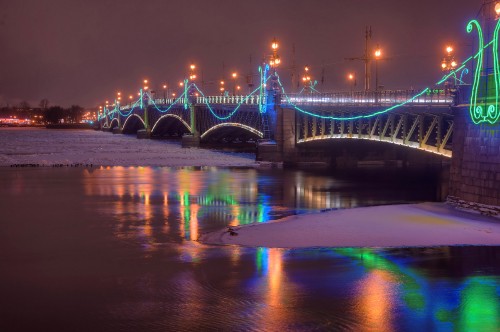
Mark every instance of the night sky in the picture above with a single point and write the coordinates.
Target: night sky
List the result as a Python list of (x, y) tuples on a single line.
[(84, 51)]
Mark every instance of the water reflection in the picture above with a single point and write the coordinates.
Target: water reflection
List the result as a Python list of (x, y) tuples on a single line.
[(390, 286), (159, 203), (117, 242)]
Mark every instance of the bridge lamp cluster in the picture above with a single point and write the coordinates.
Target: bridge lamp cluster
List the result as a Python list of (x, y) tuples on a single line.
[(192, 75), (449, 63), (306, 79), (497, 10), (236, 87), (275, 58)]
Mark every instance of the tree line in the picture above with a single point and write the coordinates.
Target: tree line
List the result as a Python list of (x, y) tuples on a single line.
[(44, 113)]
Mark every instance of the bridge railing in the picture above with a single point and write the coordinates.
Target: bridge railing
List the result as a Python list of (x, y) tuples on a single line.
[(166, 101), (370, 98), (248, 100)]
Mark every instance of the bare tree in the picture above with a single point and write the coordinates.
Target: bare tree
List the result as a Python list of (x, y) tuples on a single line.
[(44, 103)]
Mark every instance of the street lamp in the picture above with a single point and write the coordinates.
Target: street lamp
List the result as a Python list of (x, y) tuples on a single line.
[(448, 64), (497, 10), (306, 78), (192, 75), (165, 93), (234, 76), (378, 54), (275, 58), (352, 78), (222, 88)]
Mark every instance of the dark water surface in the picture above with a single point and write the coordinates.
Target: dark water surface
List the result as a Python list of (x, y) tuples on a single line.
[(112, 249)]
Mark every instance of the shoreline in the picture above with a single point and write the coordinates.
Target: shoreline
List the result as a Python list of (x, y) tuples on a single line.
[(385, 226)]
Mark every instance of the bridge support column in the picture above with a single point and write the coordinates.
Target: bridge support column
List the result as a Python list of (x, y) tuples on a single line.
[(283, 148), (145, 133), (192, 140), (475, 165)]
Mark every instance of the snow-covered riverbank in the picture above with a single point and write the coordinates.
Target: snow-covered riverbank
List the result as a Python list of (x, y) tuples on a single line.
[(49, 147), (409, 225)]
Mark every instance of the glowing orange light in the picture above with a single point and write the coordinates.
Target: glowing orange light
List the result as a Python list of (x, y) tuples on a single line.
[(449, 49), (234, 75), (378, 53), (274, 44)]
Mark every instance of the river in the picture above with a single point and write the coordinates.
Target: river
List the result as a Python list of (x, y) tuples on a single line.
[(114, 249)]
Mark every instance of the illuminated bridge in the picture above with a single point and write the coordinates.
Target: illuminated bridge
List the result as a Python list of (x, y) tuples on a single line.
[(448, 118), (417, 119)]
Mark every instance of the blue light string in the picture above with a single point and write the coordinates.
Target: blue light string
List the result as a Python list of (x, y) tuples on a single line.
[(233, 111), (352, 117), (131, 109), (171, 105)]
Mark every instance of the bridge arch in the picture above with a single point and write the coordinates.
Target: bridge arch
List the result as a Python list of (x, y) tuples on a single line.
[(400, 142), (231, 130), (113, 123), (132, 124), (170, 124)]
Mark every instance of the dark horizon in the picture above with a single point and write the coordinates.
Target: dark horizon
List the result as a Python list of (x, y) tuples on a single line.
[(83, 52)]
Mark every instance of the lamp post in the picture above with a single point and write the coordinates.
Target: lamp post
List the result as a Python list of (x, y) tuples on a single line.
[(192, 74), (275, 58), (222, 88), (234, 76), (352, 78), (448, 64), (378, 54), (306, 79)]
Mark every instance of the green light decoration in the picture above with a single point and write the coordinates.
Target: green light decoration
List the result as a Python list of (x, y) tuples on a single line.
[(476, 110), (263, 96), (186, 93)]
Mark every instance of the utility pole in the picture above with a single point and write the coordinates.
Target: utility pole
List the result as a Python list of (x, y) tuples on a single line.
[(367, 57)]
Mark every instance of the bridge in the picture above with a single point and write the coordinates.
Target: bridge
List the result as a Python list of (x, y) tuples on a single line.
[(416, 119), (448, 118)]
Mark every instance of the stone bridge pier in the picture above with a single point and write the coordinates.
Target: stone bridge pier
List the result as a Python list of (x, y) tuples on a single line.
[(475, 164)]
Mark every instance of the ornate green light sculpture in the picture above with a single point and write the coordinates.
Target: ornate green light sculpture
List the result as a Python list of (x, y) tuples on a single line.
[(487, 110)]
